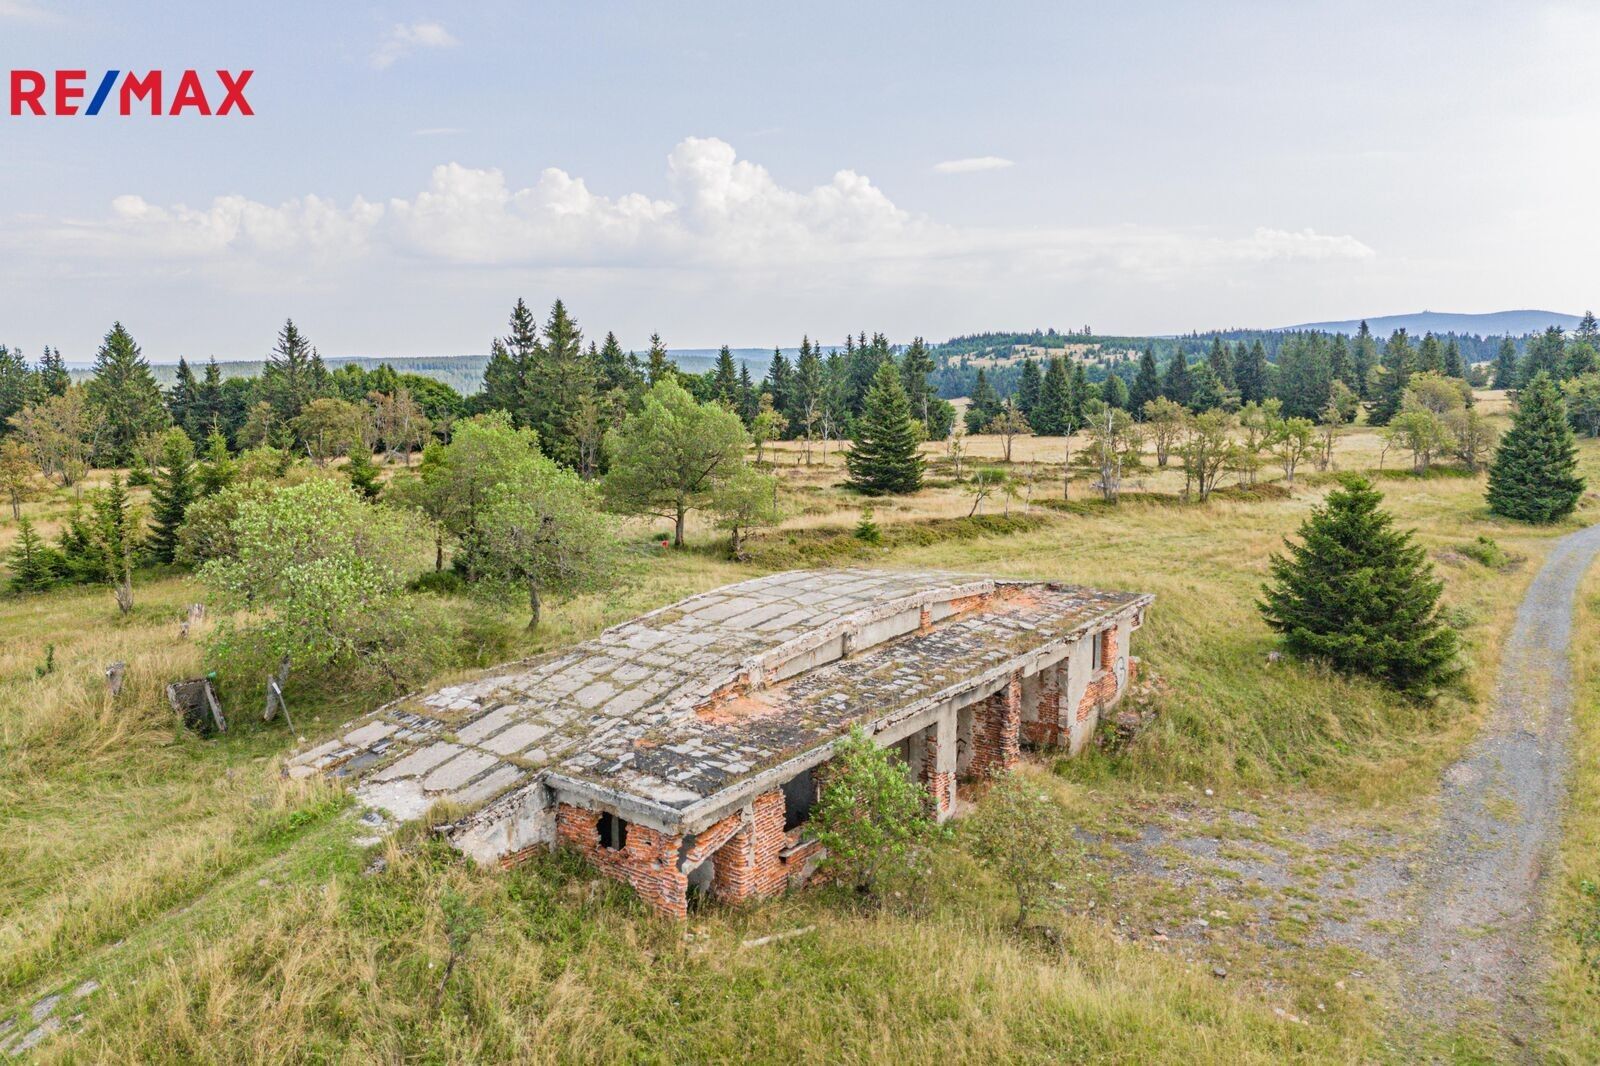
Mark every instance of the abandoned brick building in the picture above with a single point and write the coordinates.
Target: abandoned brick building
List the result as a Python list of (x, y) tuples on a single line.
[(678, 751)]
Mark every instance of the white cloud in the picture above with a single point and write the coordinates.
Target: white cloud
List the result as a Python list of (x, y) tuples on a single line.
[(727, 219), (405, 38), (972, 164), (23, 11)]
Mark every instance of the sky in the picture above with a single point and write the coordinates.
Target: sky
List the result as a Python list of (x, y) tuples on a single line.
[(747, 173)]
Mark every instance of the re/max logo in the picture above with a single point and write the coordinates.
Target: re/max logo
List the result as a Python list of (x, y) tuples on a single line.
[(135, 94)]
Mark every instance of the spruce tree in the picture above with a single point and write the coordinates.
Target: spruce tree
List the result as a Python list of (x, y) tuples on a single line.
[(1205, 393), (1146, 383), (612, 370), (1029, 383), (883, 458), (1505, 365), (657, 366), (1534, 476), (779, 384), (33, 562), (174, 489), (1115, 392), (1250, 375), (217, 471), (53, 375), (560, 380), (1176, 385), (1363, 360), (984, 406), (1051, 418), (1547, 354), (915, 367), (1361, 595), (1399, 363), (1221, 364), (290, 381), (363, 473), (725, 381), (1078, 396), (1454, 367), (182, 396), (125, 397)]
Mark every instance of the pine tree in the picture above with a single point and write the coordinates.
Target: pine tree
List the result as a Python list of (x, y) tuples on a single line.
[(984, 406), (1146, 383), (363, 473), (207, 412), (1205, 393), (1250, 375), (19, 385), (1454, 367), (1399, 363), (53, 375), (1221, 365), (216, 472), (560, 380), (1534, 476), (1078, 396), (1363, 360), (657, 366), (809, 393), (1359, 594), (1506, 374), (174, 489), (1430, 355), (1176, 385), (915, 367), (290, 380), (182, 396), (1115, 392), (33, 562), (611, 367), (125, 397), (779, 384), (1029, 384), (883, 458), (725, 380), (1547, 354), (1050, 419)]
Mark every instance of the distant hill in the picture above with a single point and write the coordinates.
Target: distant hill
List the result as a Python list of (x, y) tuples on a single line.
[(1490, 324), (464, 373)]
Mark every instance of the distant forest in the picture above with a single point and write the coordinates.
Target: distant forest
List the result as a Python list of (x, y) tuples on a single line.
[(956, 361)]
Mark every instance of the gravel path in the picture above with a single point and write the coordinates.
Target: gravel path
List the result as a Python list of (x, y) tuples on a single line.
[(1474, 953)]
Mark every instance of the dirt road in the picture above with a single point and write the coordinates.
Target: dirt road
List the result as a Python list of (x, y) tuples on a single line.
[(1474, 951)]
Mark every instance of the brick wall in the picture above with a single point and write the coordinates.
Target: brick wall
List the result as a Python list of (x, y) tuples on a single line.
[(1046, 731), (751, 865), (648, 860), (1101, 689), (997, 731)]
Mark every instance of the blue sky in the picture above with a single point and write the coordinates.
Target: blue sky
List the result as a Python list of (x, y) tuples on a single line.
[(743, 173)]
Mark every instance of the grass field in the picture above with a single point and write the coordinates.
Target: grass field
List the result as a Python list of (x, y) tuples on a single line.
[(229, 917)]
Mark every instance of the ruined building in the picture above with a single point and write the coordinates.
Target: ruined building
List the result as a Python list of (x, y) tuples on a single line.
[(679, 751)]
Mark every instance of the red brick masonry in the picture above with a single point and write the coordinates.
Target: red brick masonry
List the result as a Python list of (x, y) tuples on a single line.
[(1103, 687)]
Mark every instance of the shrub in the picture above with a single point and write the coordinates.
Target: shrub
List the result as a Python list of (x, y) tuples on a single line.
[(1025, 837), (871, 817)]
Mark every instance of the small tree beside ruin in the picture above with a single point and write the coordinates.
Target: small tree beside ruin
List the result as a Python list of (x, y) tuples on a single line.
[(746, 501), (1113, 448), (871, 817), (1025, 838)]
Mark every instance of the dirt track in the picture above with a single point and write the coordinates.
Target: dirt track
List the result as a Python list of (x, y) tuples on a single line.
[(1473, 950)]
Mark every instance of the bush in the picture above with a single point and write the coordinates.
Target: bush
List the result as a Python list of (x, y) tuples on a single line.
[(1025, 837), (1486, 552), (871, 817)]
